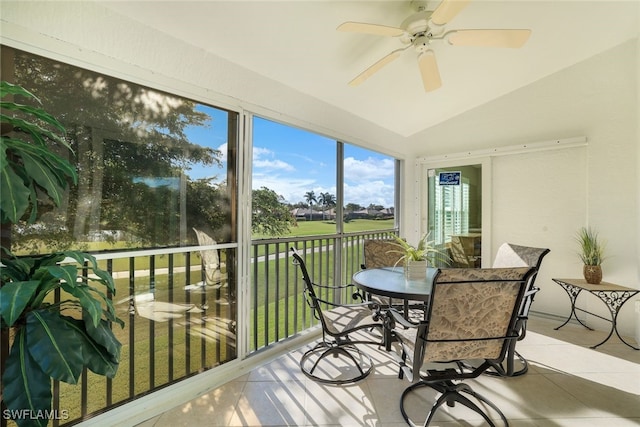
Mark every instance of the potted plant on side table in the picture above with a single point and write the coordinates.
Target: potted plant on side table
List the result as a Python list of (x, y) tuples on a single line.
[(592, 254), (49, 339)]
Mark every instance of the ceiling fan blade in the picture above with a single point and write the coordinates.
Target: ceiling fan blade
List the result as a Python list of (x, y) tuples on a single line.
[(378, 30), (447, 10), (429, 71), (375, 67), (489, 38)]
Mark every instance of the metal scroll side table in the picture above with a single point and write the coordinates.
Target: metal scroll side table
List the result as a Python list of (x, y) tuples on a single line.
[(613, 296)]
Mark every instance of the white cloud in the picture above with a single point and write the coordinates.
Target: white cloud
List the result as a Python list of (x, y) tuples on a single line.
[(291, 188), (371, 192), (223, 151), (263, 158), (273, 164), (368, 181), (259, 152), (368, 169)]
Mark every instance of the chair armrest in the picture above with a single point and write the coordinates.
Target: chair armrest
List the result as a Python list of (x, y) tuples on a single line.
[(356, 295), (399, 318), (368, 304), (348, 285)]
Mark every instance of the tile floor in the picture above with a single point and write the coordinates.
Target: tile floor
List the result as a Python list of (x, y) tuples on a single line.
[(568, 384)]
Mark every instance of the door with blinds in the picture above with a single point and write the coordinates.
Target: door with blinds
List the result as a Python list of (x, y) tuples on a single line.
[(454, 213)]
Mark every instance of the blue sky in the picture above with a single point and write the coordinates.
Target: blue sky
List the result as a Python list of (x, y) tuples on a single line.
[(292, 162)]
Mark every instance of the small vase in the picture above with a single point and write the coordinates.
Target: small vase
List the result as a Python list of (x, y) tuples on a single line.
[(592, 274), (415, 270)]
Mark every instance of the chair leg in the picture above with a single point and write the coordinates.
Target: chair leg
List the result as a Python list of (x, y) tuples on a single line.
[(350, 352), (464, 388), (498, 369), (450, 393)]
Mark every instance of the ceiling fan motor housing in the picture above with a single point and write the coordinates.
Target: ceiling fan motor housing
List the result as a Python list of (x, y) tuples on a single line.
[(422, 43)]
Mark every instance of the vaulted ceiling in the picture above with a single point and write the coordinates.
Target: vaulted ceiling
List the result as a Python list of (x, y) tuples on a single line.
[(296, 43)]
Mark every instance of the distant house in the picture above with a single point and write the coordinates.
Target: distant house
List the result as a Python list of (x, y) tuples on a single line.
[(307, 214), (372, 213)]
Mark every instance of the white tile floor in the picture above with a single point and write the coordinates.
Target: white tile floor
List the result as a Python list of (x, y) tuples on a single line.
[(568, 384)]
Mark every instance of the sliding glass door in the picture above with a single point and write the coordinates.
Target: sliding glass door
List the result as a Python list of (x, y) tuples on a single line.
[(454, 212)]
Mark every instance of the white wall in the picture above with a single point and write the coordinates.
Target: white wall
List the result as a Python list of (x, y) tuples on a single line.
[(541, 199)]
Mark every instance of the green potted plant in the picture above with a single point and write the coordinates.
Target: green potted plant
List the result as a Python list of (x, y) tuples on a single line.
[(591, 253), (49, 339), (417, 258)]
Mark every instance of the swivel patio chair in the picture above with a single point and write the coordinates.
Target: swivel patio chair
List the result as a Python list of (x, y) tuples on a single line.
[(510, 255), (472, 315), (340, 323)]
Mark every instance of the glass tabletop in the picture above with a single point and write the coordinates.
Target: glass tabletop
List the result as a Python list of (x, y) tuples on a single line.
[(391, 282)]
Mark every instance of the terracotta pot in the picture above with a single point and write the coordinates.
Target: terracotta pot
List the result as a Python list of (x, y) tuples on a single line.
[(592, 274)]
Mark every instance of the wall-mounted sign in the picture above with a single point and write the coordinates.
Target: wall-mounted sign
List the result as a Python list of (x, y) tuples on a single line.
[(449, 178)]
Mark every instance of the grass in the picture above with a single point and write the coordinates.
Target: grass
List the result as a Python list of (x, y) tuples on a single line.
[(201, 346), (314, 228)]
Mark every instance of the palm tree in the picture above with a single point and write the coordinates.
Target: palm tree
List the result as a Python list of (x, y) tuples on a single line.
[(310, 197), (327, 200)]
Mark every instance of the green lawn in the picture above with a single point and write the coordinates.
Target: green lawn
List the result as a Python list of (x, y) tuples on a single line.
[(285, 310), (311, 228)]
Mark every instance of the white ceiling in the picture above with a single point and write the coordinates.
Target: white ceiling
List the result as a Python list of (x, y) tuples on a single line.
[(296, 43)]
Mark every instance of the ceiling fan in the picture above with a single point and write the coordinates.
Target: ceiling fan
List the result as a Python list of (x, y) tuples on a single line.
[(425, 26)]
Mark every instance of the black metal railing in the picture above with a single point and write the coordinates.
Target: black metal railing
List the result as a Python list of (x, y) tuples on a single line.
[(177, 324), (278, 307)]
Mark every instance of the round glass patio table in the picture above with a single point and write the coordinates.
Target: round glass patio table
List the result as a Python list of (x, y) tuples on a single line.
[(391, 282)]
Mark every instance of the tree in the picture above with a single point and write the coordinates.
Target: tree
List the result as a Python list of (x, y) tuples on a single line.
[(352, 207), (310, 197), (327, 200), (132, 156), (212, 212), (269, 214)]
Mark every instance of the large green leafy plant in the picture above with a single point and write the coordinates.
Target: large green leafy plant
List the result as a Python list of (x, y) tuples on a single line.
[(27, 163), (51, 338)]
